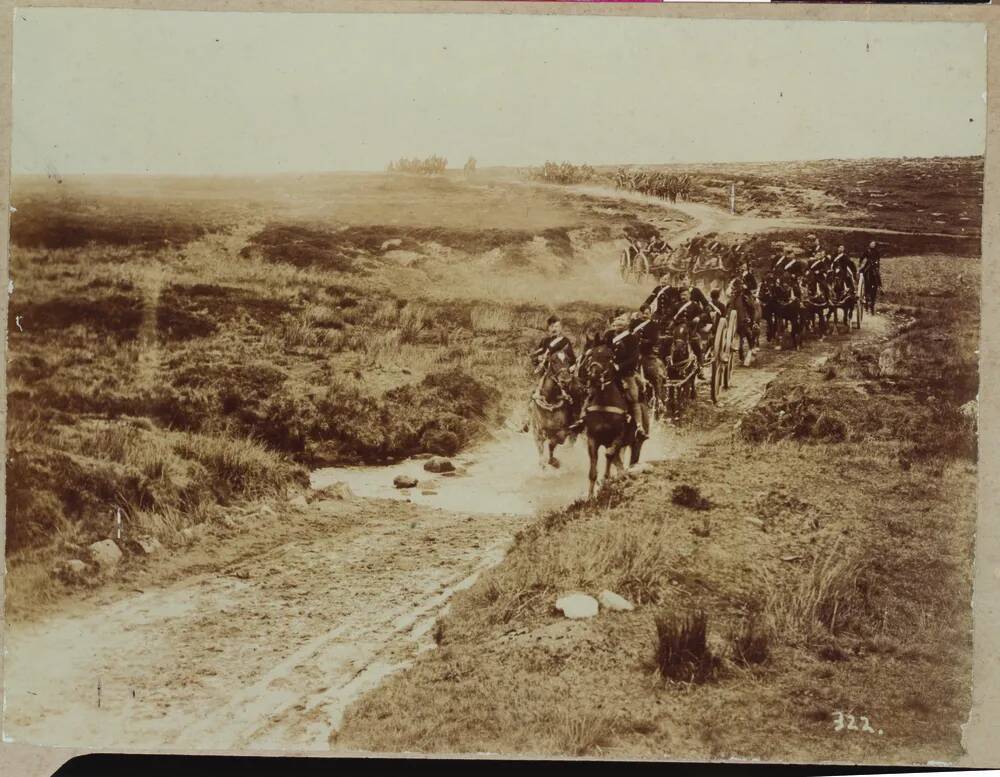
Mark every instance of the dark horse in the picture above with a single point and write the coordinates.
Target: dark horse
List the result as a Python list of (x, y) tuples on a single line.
[(681, 366), (873, 285), (788, 307), (607, 418), (769, 303), (815, 303), (552, 408), (843, 296), (749, 312)]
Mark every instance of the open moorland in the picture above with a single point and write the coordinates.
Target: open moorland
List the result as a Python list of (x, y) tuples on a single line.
[(185, 354)]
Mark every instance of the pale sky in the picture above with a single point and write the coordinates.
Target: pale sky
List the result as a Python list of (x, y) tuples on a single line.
[(102, 91)]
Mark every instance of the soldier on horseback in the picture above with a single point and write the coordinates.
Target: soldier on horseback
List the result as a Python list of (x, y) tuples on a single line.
[(694, 313), (625, 336), (716, 306), (747, 277), (552, 343), (871, 268), (843, 265), (626, 345), (551, 346)]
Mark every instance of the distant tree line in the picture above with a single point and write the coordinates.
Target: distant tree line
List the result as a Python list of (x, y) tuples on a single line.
[(432, 165), (564, 173)]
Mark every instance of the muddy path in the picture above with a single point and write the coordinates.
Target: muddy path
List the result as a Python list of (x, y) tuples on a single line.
[(268, 632)]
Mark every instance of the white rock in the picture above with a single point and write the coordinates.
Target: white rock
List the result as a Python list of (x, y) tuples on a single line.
[(394, 243), (577, 605), (105, 554), (612, 601), (299, 501)]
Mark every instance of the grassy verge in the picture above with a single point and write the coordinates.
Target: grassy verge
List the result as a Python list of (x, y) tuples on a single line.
[(810, 569)]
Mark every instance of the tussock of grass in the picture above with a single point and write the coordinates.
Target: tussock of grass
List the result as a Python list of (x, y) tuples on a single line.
[(682, 651), (750, 642), (584, 732), (825, 600)]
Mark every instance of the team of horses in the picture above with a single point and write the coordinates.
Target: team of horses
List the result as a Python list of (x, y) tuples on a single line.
[(786, 307)]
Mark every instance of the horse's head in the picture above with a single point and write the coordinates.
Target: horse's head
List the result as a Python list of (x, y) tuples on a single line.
[(600, 369), (559, 370)]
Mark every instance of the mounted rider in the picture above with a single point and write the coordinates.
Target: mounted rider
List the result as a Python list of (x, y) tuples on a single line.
[(820, 265), (693, 313), (553, 343), (556, 345), (626, 344), (717, 308), (747, 277), (871, 267), (844, 266), (625, 335), (654, 303)]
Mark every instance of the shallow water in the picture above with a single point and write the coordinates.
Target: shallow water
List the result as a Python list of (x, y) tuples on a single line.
[(499, 476)]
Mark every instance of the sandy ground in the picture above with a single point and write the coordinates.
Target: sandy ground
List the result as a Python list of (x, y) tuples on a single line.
[(266, 636)]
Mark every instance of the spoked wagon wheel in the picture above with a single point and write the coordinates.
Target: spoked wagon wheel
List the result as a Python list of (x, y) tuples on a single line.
[(717, 369), (859, 307), (730, 345)]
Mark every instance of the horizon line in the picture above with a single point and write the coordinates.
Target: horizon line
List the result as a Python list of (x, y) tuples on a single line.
[(348, 171)]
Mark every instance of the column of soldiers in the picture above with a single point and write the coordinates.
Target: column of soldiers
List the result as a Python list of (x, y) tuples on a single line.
[(671, 312)]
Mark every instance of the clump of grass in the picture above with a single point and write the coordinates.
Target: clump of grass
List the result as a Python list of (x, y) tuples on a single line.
[(691, 497), (824, 601), (581, 732), (682, 651), (750, 643)]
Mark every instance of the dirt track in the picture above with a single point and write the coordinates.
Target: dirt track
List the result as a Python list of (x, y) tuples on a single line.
[(271, 632)]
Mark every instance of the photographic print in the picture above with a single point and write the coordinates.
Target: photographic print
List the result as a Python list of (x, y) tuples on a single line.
[(476, 383)]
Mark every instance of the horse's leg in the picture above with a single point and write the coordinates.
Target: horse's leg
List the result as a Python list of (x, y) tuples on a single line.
[(592, 452), (539, 439), (552, 453)]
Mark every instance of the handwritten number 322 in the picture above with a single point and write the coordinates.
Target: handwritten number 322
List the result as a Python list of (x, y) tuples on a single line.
[(843, 721)]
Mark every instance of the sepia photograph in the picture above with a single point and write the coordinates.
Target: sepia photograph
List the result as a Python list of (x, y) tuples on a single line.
[(513, 384)]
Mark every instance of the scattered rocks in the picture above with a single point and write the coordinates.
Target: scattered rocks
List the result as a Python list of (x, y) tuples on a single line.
[(612, 601), (404, 481), (428, 492), (439, 464), (105, 555), (577, 605), (72, 571)]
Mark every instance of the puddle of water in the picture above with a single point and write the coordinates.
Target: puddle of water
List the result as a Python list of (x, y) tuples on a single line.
[(499, 477)]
